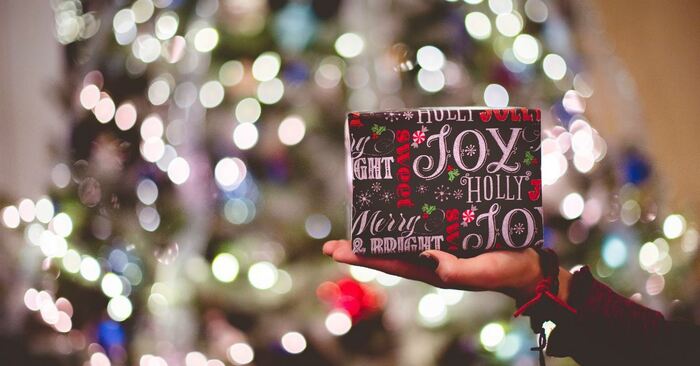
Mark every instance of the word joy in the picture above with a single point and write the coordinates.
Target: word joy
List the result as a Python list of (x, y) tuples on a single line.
[(426, 167)]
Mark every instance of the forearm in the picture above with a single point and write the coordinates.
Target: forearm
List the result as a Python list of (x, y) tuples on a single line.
[(611, 329)]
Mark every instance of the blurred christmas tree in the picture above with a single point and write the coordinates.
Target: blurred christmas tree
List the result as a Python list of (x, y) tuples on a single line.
[(205, 169)]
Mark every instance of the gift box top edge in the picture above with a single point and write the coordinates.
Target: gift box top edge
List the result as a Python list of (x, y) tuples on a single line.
[(448, 108)]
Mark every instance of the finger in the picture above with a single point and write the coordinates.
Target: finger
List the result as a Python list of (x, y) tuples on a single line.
[(343, 254), (465, 273), (330, 246)]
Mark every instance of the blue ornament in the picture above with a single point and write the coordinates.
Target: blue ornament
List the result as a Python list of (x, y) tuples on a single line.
[(635, 167), (296, 72), (295, 26), (110, 334)]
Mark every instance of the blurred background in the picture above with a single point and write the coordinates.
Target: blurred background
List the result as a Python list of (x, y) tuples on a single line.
[(170, 169)]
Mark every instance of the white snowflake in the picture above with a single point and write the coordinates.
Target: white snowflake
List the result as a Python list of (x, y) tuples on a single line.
[(442, 193), (518, 228), (422, 189), (392, 116), (364, 198), (470, 150), (408, 114), (376, 186), (458, 194), (386, 196)]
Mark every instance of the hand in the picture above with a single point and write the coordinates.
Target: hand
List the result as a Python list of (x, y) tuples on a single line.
[(514, 273)]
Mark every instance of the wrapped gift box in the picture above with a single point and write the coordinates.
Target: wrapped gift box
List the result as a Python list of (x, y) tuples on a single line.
[(462, 180)]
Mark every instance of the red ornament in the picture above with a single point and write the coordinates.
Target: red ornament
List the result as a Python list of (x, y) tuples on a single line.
[(425, 215)]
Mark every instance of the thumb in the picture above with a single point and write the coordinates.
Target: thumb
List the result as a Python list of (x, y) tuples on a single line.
[(445, 264)]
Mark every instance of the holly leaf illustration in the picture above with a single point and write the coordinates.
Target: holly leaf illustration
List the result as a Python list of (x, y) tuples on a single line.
[(528, 158), (428, 209), (452, 174), (377, 129)]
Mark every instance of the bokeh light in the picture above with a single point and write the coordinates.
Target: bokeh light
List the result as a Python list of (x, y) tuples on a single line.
[(338, 322), (349, 45), (293, 342), (225, 267), (478, 25), (241, 353)]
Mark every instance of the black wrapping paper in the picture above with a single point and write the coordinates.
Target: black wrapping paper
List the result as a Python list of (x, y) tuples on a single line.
[(462, 180)]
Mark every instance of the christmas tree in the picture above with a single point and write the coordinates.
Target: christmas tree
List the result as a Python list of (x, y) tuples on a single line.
[(206, 168)]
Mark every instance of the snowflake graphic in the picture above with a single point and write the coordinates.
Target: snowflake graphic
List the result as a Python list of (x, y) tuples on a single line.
[(442, 193), (470, 150), (458, 194), (422, 189), (392, 116), (376, 186), (364, 198), (386, 196), (408, 114), (518, 228)]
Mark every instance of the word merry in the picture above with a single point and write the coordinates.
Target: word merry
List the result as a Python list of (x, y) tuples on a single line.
[(495, 186), (371, 168), (376, 222), (411, 244)]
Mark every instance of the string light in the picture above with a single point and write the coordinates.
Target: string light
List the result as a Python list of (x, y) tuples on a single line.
[(293, 342), (262, 275), (349, 45), (10, 217), (491, 335), (178, 170), (291, 130), (245, 136), (526, 48), (431, 81), (225, 267), (478, 25), (430, 58), (338, 322), (119, 308), (674, 225), (206, 39), (554, 66), (266, 66), (432, 309), (241, 353), (248, 110), (495, 96)]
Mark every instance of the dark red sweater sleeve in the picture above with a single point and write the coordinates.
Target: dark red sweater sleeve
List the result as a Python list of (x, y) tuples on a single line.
[(610, 329)]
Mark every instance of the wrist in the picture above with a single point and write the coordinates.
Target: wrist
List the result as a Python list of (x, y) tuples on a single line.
[(564, 280)]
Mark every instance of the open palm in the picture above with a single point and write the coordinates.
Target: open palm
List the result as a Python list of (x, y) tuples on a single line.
[(514, 273)]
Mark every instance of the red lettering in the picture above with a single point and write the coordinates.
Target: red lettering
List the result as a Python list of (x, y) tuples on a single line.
[(403, 136), (403, 190), (452, 215), (514, 115), (485, 115), (404, 174), (501, 114)]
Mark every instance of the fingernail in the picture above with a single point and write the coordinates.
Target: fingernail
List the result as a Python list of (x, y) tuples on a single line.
[(428, 260)]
